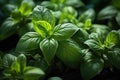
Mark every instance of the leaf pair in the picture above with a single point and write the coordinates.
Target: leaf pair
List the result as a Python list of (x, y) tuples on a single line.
[(18, 67), (96, 44)]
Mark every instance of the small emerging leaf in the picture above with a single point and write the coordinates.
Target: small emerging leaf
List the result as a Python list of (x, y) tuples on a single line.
[(43, 28), (42, 13), (112, 39)]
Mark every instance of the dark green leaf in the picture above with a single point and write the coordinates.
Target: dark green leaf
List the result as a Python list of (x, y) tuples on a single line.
[(91, 69), (114, 57), (118, 18), (64, 31), (100, 29), (88, 14), (29, 41), (42, 13), (69, 52), (74, 3), (93, 44), (49, 47), (8, 59), (26, 7), (7, 28), (107, 12), (32, 73)]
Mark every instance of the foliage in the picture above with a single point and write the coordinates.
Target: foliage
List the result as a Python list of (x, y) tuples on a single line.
[(57, 36)]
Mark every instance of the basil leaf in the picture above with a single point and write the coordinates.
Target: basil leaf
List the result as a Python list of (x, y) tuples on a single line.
[(42, 13), (64, 31), (100, 29), (91, 68), (75, 3), (114, 57), (49, 47), (43, 28), (26, 7), (28, 42), (88, 14), (107, 12), (93, 44), (118, 18), (7, 28), (112, 39), (55, 78), (69, 52), (8, 59), (21, 59), (32, 73)]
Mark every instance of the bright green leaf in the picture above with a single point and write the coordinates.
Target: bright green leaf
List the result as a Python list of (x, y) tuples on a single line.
[(64, 31), (26, 7), (112, 39), (21, 59), (43, 14), (49, 47), (88, 24), (29, 41), (69, 52), (43, 28)]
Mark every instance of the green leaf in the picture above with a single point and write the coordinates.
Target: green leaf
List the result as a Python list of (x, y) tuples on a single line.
[(74, 3), (49, 47), (42, 13), (15, 67), (114, 57), (32, 73), (21, 59), (88, 24), (29, 41), (64, 31), (26, 7), (107, 13), (55, 78), (93, 44), (50, 5), (118, 18), (88, 14), (100, 29), (69, 52), (112, 39), (91, 68), (7, 28), (8, 59), (80, 36), (16, 15), (43, 28)]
